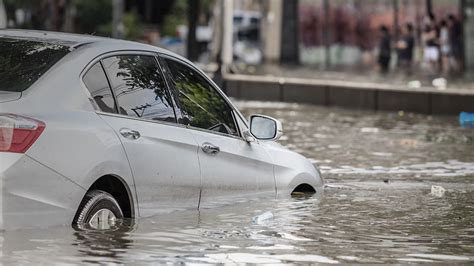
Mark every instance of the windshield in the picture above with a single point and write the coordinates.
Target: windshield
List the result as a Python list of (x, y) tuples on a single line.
[(22, 62)]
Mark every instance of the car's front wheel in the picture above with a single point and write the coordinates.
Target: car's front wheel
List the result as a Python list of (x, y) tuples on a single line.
[(98, 210)]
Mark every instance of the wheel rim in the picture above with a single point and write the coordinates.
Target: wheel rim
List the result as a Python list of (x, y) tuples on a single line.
[(103, 219)]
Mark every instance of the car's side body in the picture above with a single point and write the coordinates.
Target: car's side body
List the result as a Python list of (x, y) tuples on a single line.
[(164, 168)]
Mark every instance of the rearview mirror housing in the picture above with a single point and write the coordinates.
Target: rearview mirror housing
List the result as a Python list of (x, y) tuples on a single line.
[(265, 128)]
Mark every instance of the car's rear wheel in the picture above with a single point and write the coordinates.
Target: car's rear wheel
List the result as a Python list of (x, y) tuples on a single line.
[(99, 210)]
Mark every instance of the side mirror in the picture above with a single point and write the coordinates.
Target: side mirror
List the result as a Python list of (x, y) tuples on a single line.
[(265, 127)]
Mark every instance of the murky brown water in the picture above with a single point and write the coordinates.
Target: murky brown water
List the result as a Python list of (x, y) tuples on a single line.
[(376, 207)]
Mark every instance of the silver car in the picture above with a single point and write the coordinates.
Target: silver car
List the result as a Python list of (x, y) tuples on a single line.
[(93, 130)]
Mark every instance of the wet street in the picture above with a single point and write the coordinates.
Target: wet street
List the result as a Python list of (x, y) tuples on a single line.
[(377, 205)]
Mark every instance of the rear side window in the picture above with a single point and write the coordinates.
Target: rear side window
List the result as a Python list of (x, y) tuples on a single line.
[(97, 84), (22, 62), (139, 87)]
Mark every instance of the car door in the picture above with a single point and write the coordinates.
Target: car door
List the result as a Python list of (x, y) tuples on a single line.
[(162, 154), (230, 166)]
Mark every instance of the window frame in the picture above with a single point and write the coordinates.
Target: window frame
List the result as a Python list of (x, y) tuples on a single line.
[(117, 106), (234, 113), (108, 83)]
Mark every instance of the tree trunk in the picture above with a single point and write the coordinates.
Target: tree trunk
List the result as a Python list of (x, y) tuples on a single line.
[(289, 36), (326, 36), (3, 15), (429, 7), (68, 20), (193, 13), (117, 19)]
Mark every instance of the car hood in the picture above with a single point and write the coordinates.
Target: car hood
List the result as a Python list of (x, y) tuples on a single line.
[(8, 96)]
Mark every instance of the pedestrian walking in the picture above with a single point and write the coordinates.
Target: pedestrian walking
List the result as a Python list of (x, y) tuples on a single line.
[(455, 40), (385, 49), (431, 47), (445, 46), (405, 47)]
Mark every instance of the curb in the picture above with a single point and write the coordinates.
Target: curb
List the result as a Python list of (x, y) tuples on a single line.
[(355, 95)]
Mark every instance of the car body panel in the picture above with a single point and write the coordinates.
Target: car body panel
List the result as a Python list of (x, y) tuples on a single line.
[(164, 164), (32, 195), (239, 169), (9, 96), (292, 169), (80, 144)]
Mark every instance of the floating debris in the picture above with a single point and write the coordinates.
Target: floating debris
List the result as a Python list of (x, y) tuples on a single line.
[(369, 130), (437, 191), (466, 120), (440, 83), (264, 217), (414, 84)]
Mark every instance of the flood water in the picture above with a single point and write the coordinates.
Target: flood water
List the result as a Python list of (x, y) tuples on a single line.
[(377, 205)]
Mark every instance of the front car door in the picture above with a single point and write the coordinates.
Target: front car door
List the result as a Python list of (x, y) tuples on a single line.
[(230, 166), (162, 154)]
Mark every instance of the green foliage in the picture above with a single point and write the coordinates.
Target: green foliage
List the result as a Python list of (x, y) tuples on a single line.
[(93, 16), (12, 5), (17, 3), (132, 24), (176, 17)]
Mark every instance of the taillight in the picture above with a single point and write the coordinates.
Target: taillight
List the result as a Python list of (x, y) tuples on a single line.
[(18, 133)]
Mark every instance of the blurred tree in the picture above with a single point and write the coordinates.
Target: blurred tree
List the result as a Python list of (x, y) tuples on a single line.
[(93, 17), (176, 17), (25, 13), (133, 27)]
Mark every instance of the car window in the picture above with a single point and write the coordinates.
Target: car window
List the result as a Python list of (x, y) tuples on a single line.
[(97, 84), (139, 87), (201, 105), (254, 21), (238, 20), (22, 62)]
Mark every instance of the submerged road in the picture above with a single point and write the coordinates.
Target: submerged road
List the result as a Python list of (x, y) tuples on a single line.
[(377, 206)]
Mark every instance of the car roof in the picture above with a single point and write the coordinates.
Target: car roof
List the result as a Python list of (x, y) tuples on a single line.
[(73, 40), (65, 39)]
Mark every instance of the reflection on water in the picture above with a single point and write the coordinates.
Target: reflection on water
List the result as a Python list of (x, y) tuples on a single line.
[(376, 207)]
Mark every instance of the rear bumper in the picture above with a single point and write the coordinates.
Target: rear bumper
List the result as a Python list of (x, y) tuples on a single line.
[(33, 195)]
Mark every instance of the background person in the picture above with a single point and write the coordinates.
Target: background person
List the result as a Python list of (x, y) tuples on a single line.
[(455, 39), (445, 46), (385, 49), (405, 48), (431, 49)]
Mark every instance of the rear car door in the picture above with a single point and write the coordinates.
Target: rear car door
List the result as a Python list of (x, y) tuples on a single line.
[(162, 154), (230, 166)]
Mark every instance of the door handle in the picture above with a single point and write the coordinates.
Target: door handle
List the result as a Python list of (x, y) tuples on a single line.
[(129, 134), (209, 148)]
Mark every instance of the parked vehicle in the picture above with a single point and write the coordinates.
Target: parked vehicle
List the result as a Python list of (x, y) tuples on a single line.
[(94, 129), (247, 43)]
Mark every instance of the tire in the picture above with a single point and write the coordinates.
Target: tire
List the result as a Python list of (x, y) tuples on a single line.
[(98, 210)]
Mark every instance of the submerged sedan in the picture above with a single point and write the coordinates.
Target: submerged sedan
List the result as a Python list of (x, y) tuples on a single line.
[(93, 130)]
